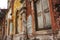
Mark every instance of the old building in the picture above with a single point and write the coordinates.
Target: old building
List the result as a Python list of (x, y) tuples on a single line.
[(31, 20), (42, 14)]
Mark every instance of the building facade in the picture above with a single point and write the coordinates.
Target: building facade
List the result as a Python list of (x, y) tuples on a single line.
[(33, 20)]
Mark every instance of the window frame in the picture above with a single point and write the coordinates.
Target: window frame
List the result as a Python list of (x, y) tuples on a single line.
[(36, 20)]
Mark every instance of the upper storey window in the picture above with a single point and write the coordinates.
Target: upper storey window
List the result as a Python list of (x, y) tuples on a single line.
[(42, 14)]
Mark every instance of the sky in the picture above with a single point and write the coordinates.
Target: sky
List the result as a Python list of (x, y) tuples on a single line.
[(3, 4)]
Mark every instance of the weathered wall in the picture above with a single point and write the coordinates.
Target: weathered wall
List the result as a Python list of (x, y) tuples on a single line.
[(15, 8)]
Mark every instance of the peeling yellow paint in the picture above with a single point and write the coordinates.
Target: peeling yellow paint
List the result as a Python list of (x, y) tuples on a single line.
[(15, 8)]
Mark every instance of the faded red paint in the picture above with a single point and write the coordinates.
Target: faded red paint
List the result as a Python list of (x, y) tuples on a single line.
[(52, 13), (28, 8)]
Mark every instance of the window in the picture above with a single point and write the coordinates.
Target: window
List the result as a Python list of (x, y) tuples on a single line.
[(11, 27), (42, 14), (29, 24), (17, 22)]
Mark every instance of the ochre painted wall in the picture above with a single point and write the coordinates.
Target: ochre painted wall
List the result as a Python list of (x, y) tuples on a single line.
[(15, 8)]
